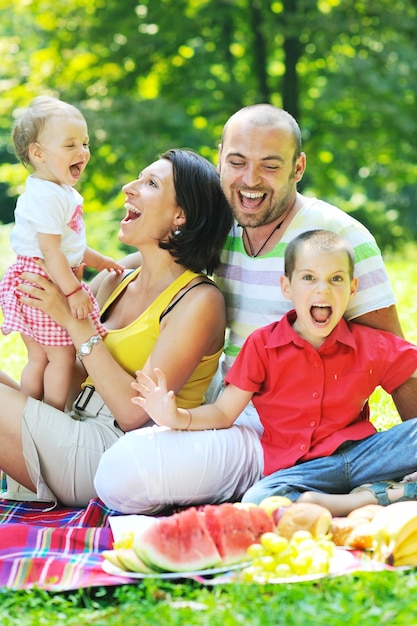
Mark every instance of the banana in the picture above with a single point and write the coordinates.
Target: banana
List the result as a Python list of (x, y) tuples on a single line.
[(407, 534), (395, 533), (405, 549), (406, 557)]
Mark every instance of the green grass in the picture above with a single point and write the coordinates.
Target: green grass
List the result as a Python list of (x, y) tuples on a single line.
[(357, 599), (365, 599)]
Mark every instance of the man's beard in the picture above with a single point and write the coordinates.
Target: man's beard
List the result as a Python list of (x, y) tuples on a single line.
[(267, 214)]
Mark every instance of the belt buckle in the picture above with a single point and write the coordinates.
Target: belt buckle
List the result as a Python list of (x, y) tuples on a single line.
[(84, 398)]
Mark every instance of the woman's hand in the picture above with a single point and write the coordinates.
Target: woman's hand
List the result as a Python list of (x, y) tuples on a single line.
[(41, 293), (157, 401)]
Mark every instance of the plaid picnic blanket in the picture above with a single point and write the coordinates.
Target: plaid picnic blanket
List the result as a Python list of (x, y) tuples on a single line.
[(56, 549), (60, 549)]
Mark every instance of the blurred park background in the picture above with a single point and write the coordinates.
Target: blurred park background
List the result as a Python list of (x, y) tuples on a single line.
[(155, 74)]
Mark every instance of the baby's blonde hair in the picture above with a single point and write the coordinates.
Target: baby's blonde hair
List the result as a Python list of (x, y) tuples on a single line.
[(31, 121)]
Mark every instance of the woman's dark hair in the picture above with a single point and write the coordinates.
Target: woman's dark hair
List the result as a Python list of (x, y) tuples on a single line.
[(208, 217)]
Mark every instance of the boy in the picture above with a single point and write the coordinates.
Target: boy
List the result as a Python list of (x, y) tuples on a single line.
[(310, 376)]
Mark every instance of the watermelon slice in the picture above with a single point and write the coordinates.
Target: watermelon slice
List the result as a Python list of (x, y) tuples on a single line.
[(261, 522), (197, 539), (179, 543), (234, 529)]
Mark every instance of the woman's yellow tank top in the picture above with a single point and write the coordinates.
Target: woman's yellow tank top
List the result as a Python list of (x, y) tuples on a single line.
[(131, 346)]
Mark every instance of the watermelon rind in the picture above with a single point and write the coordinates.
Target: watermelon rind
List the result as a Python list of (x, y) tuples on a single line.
[(146, 556), (198, 539)]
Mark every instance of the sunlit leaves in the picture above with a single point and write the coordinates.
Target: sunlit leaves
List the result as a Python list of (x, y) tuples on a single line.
[(149, 86), (326, 6), (156, 73), (325, 156)]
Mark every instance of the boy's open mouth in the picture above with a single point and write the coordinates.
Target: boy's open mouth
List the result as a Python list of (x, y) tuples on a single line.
[(321, 313)]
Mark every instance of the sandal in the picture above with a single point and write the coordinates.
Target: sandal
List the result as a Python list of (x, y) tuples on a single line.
[(380, 491)]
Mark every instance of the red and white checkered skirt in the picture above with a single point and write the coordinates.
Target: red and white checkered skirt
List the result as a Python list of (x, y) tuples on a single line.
[(30, 321)]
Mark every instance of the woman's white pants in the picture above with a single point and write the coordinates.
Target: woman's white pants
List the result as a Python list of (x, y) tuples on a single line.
[(154, 468)]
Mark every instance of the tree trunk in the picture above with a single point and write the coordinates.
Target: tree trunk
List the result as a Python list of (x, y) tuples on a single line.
[(292, 52), (259, 51)]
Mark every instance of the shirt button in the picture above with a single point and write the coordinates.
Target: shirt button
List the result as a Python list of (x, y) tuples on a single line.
[(315, 394), (316, 363), (303, 447), (312, 424)]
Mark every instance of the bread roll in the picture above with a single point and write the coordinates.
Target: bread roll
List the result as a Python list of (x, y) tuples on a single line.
[(355, 530), (304, 516), (341, 528), (362, 536), (366, 512)]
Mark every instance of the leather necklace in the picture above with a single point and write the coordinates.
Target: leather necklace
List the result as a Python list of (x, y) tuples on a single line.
[(252, 253)]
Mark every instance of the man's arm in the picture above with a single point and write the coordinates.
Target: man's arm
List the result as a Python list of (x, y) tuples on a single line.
[(405, 396), (382, 319)]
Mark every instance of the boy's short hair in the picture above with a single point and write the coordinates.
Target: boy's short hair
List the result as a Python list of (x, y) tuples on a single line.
[(320, 240)]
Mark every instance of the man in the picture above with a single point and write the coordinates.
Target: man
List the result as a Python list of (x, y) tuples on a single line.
[(260, 164)]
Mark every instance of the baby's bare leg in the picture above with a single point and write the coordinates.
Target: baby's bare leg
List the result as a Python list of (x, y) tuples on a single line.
[(32, 377), (57, 376)]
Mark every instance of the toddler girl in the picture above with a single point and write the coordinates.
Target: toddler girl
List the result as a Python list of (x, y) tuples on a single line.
[(51, 138)]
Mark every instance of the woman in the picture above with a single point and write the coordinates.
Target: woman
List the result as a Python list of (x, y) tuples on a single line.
[(167, 313)]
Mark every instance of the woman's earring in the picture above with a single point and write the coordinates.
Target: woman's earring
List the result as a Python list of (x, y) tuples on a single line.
[(177, 232)]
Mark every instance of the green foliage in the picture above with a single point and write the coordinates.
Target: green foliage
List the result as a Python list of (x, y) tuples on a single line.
[(166, 73)]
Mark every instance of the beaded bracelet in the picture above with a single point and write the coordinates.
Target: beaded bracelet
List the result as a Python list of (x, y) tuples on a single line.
[(190, 419), (67, 295)]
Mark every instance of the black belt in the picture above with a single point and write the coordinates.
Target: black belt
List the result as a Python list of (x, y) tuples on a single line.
[(89, 404)]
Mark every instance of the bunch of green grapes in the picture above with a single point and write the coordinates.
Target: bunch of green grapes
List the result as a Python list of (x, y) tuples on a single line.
[(277, 557)]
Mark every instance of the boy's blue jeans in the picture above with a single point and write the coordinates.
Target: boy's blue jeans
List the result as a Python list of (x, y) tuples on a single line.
[(387, 455)]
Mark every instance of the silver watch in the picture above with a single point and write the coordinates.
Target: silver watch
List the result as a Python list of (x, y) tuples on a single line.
[(85, 348)]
